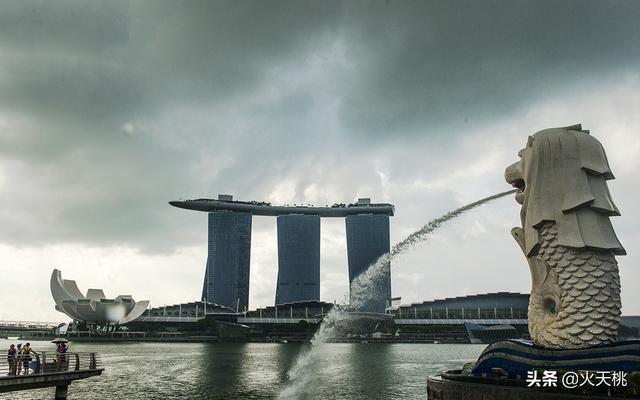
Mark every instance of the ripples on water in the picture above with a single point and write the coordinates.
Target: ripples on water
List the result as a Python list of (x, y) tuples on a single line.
[(199, 371)]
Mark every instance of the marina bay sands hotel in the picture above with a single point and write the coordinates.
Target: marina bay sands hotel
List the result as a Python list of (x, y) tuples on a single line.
[(226, 280)]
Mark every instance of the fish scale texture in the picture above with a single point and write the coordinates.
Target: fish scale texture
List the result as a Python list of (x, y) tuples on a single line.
[(588, 282)]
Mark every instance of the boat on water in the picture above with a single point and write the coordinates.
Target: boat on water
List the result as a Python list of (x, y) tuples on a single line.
[(13, 337)]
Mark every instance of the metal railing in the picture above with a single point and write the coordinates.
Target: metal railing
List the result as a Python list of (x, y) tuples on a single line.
[(48, 362)]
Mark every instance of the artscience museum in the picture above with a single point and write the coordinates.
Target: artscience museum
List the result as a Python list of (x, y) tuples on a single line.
[(94, 307)]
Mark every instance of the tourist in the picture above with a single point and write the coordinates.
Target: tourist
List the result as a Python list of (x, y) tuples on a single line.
[(62, 359), (11, 359), (26, 357), (19, 358)]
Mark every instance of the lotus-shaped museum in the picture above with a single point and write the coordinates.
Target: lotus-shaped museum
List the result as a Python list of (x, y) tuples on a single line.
[(94, 307)]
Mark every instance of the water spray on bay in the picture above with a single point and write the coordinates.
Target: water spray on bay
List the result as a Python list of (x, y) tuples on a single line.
[(300, 376)]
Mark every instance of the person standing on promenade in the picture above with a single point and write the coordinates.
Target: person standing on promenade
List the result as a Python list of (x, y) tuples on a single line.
[(26, 357), (62, 359), (19, 359), (11, 359)]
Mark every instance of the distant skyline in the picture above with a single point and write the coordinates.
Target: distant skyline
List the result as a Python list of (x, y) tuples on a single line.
[(109, 110)]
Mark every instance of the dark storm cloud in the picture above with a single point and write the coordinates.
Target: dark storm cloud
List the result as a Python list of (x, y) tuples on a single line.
[(76, 78), (97, 61), (111, 109), (424, 65), (413, 62)]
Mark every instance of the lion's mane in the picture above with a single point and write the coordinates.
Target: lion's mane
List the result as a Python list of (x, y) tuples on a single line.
[(567, 184)]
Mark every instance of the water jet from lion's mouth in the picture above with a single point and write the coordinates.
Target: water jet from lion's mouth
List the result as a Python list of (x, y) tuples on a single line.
[(362, 289)]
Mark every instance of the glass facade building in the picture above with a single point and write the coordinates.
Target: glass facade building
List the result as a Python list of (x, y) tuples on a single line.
[(500, 305), (298, 258), (368, 239), (226, 280)]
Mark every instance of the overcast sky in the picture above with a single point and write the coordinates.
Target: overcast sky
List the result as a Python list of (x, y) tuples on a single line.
[(108, 110)]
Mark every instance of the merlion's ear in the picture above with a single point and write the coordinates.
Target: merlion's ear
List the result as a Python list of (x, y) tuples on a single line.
[(518, 235)]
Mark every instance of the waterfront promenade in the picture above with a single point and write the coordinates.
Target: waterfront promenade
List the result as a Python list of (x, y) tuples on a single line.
[(49, 369)]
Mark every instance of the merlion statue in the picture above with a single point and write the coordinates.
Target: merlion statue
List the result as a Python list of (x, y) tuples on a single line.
[(567, 238)]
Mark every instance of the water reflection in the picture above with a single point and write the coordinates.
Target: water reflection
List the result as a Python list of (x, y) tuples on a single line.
[(242, 370), (287, 354), (371, 370)]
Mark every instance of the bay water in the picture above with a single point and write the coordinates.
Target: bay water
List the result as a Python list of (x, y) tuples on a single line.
[(203, 371)]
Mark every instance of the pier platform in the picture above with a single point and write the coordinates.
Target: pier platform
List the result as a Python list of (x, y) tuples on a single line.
[(49, 370)]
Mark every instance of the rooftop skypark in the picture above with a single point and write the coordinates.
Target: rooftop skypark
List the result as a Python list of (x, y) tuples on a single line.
[(226, 202)]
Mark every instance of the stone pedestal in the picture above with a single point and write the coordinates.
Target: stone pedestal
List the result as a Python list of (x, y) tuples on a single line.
[(451, 385), (502, 369), (514, 358)]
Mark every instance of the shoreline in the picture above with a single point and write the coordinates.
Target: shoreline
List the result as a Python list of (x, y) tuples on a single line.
[(213, 339)]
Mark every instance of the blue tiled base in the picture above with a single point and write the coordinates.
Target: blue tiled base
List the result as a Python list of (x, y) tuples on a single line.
[(516, 357)]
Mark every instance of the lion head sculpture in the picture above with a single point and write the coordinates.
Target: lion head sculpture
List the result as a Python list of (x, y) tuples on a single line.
[(567, 238), (562, 177)]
